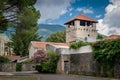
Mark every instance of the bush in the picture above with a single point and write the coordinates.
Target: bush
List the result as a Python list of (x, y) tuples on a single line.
[(50, 65), (79, 44), (4, 59), (18, 67), (107, 54), (38, 68)]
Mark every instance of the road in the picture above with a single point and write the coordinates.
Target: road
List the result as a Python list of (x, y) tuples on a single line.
[(58, 76), (67, 77)]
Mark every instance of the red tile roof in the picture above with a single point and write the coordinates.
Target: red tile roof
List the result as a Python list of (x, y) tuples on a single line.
[(81, 17), (112, 37), (13, 57), (43, 44), (39, 44)]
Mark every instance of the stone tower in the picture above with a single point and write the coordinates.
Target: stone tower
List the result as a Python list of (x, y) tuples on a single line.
[(81, 27)]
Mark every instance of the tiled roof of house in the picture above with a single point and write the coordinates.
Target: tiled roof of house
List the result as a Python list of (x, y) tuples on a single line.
[(81, 17), (60, 44), (39, 44), (13, 57), (112, 37), (43, 44)]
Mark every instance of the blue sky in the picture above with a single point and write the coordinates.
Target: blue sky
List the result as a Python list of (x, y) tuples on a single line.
[(60, 11), (92, 8)]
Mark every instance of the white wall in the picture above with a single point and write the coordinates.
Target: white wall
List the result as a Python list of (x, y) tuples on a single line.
[(84, 49)]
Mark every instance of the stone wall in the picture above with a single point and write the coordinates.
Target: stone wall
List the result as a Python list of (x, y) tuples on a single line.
[(8, 67), (86, 65), (28, 66), (11, 67), (82, 64)]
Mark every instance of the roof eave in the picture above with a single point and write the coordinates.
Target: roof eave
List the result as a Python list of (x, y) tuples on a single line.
[(78, 19)]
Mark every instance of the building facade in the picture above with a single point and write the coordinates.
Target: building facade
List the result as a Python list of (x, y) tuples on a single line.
[(81, 27), (4, 49)]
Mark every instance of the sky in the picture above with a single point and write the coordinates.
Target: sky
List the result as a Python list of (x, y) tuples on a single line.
[(107, 12)]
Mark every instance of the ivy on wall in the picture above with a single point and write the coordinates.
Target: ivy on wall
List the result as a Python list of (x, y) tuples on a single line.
[(107, 54), (76, 45)]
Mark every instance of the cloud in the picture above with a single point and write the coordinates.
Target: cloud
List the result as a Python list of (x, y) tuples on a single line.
[(98, 16), (70, 9), (70, 14), (85, 10), (102, 28), (63, 12), (52, 9), (112, 18)]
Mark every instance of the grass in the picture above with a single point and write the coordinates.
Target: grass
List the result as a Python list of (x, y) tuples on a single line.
[(17, 78)]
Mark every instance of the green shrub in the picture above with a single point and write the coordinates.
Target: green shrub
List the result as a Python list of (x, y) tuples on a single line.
[(4, 59), (50, 65), (76, 45), (38, 68), (107, 54), (18, 67)]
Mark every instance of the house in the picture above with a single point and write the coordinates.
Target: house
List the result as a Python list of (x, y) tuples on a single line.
[(112, 37), (82, 28), (35, 46), (13, 58), (4, 49)]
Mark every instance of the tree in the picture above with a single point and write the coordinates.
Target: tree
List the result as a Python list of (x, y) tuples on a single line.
[(50, 65), (59, 36), (3, 20), (40, 56), (4, 23), (4, 59), (100, 36), (26, 29), (23, 17), (10, 9)]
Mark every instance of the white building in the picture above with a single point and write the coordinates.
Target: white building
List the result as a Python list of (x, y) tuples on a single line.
[(4, 50)]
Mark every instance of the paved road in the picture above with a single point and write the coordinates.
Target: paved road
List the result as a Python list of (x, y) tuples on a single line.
[(67, 77), (57, 76)]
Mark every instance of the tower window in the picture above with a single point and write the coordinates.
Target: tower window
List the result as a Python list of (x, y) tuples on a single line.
[(72, 23), (82, 23), (88, 23)]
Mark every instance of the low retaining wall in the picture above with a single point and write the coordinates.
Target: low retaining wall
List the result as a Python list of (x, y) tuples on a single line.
[(11, 67)]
